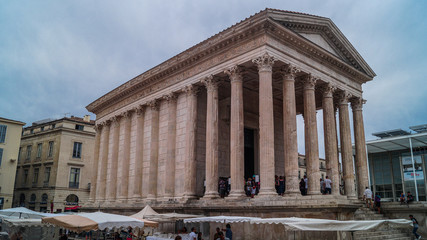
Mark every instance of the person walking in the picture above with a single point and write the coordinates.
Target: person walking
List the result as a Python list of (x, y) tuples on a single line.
[(414, 230), (367, 196), (306, 185), (328, 185), (377, 201), (193, 234)]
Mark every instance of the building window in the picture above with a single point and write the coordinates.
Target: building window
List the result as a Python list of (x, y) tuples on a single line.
[(77, 150), (25, 176), (32, 131), (74, 177), (2, 133), (32, 199), (50, 150), (39, 150), (1, 155), (42, 129), (79, 127), (53, 126), (44, 199), (22, 200), (46, 175), (28, 152), (36, 175)]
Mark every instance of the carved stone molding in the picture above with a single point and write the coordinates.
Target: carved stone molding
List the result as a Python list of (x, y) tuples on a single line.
[(127, 114), (265, 62), (309, 82), (289, 72), (328, 89), (191, 90), (211, 83), (357, 103), (343, 97), (235, 73)]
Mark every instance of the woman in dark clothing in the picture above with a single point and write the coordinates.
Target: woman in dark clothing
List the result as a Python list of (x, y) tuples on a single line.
[(302, 186)]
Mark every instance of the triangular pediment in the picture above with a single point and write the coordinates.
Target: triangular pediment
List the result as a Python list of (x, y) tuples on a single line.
[(321, 42), (323, 33)]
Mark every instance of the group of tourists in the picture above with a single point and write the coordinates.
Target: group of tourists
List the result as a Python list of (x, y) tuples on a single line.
[(367, 197), (279, 184), (219, 234), (252, 186), (325, 185), (406, 199)]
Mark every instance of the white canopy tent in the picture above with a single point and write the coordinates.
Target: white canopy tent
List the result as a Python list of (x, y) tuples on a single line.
[(21, 212), (221, 219), (311, 224)]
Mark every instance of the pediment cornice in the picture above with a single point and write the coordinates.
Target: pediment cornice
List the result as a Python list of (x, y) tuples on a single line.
[(252, 27)]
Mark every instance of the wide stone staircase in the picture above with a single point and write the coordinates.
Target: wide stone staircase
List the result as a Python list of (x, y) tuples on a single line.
[(384, 232)]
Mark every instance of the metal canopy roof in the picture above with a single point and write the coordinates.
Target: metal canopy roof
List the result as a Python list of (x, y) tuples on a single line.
[(391, 133), (419, 128), (397, 143)]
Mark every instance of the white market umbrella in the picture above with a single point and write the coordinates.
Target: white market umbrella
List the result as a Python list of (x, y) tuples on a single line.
[(21, 212), (94, 221)]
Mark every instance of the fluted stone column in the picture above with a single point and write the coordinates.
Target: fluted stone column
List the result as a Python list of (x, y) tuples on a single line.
[(359, 140), (346, 148), (101, 181), (311, 138), (96, 160), (266, 124), (190, 140), (113, 160), (236, 133), (139, 152), (171, 145), (211, 84), (290, 130), (124, 157), (154, 150), (330, 137)]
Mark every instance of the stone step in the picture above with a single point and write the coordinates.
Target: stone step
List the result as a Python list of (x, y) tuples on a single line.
[(379, 232), (373, 236)]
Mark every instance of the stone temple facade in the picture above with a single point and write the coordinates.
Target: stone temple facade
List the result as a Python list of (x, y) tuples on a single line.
[(227, 107)]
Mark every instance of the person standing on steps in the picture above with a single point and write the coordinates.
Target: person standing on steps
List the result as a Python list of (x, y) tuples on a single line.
[(377, 201), (414, 230), (367, 196)]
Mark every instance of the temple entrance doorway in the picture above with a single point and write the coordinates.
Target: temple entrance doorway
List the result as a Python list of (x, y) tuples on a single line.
[(249, 152)]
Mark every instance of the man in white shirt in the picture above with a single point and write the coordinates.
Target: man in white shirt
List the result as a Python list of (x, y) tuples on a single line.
[(328, 185), (367, 196), (193, 234)]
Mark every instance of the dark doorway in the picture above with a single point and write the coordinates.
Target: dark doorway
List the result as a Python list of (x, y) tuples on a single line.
[(249, 152)]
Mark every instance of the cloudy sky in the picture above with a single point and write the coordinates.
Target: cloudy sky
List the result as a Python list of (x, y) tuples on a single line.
[(56, 57)]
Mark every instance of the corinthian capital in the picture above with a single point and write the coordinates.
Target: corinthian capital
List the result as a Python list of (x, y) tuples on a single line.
[(191, 90), (309, 82), (210, 82), (357, 103), (126, 115), (289, 72), (98, 127), (154, 104), (115, 120), (328, 89), (265, 62), (343, 97), (139, 110), (234, 73), (170, 97)]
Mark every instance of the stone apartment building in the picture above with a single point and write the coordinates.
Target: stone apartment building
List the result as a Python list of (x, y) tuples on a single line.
[(54, 164), (10, 138)]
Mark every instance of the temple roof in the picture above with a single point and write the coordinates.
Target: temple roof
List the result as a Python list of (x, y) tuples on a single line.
[(319, 31)]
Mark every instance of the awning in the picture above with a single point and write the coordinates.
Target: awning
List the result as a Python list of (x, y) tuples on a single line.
[(311, 224), (94, 221), (221, 219)]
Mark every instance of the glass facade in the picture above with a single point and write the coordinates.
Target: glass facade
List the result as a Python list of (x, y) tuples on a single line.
[(392, 173)]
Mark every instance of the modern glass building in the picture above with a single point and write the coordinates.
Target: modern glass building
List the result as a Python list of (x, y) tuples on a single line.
[(397, 163)]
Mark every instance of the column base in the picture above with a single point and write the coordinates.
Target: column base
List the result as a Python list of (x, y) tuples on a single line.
[(151, 197), (236, 194), (292, 193), (267, 193), (314, 192), (211, 195)]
